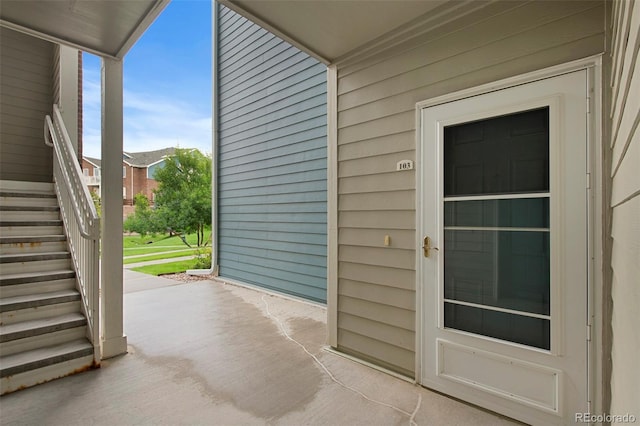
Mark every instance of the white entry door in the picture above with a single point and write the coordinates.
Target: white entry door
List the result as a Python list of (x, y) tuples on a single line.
[(504, 215)]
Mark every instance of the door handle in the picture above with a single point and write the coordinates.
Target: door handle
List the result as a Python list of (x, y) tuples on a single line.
[(426, 247)]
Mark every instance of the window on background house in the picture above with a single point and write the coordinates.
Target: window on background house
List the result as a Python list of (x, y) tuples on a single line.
[(124, 171), (85, 172), (124, 192), (96, 171)]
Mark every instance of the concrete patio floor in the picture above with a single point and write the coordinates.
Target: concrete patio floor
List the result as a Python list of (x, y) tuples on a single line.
[(210, 353)]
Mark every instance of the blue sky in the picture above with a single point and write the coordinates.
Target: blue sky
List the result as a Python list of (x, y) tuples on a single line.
[(167, 84)]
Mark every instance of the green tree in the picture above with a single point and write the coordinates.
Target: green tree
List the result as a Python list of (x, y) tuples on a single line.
[(183, 197), (143, 220)]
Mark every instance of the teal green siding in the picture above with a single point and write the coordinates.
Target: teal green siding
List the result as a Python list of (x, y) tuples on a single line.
[(272, 161)]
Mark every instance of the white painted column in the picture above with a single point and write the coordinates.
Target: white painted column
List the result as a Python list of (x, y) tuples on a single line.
[(114, 342), (68, 102)]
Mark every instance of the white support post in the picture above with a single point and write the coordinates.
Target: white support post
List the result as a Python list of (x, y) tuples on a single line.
[(114, 341)]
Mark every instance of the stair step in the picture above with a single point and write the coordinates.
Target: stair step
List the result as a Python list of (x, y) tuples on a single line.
[(34, 213), (31, 288), (30, 239), (29, 208), (30, 228), (35, 265), (26, 194), (25, 223), (32, 244), (43, 357), (34, 257), (33, 277), (37, 300), (26, 187), (27, 199), (26, 329)]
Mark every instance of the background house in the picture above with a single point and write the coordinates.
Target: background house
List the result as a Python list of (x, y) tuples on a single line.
[(138, 169)]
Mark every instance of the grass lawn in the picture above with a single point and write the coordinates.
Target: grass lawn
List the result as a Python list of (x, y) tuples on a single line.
[(157, 249), (180, 253), (167, 268), (135, 241)]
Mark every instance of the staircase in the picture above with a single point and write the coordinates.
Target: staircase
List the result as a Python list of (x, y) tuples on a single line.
[(43, 331)]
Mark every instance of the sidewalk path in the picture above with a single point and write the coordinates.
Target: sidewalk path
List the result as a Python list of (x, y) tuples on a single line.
[(158, 262)]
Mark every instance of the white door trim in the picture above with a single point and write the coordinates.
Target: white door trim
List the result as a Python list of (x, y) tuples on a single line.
[(596, 208)]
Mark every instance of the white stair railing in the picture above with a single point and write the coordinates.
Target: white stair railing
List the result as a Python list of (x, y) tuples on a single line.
[(81, 221)]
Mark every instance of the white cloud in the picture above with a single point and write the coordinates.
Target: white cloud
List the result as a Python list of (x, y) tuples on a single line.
[(151, 120)]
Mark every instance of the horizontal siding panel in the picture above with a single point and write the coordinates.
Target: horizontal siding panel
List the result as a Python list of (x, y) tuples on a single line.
[(392, 357), (378, 256), (380, 294), (272, 167), (301, 197), (305, 253), (312, 170), (400, 181), (287, 237), (277, 131), (401, 318), (310, 106), (289, 188), (627, 179), (390, 277), (282, 263), (625, 48), (506, 47), (276, 217), (378, 146), (399, 337), (26, 70), (376, 128), (392, 200), (301, 141), (237, 74), (271, 283), (386, 126), (297, 71), (303, 228), (374, 165), (400, 239), (383, 219), (294, 90), (304, 114), (315, 207), (626, 117), (469, 33), (230, 65), (250, 181)]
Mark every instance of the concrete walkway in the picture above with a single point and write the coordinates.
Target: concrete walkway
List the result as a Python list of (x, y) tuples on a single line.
[(157, 262), (209, 353)]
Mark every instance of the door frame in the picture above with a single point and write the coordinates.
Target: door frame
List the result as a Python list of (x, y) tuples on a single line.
[(596, 209)]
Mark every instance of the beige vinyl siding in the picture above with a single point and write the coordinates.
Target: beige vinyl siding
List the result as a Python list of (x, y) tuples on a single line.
[(26, 86), (625, 201), (376, 129)]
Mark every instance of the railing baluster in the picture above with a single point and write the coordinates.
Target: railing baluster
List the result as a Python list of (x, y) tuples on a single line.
[(80, 219)]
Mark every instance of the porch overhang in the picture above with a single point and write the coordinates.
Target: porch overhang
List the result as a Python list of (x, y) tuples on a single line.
[(333, 31), (103, 27)]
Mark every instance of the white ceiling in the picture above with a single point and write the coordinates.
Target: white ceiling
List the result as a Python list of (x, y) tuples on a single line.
[(330, 29), (104, 27)]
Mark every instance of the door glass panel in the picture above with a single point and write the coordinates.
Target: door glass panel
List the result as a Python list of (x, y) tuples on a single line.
[(517, 213), (504, 269), (500, 325), (497, 238), (507, 154)]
